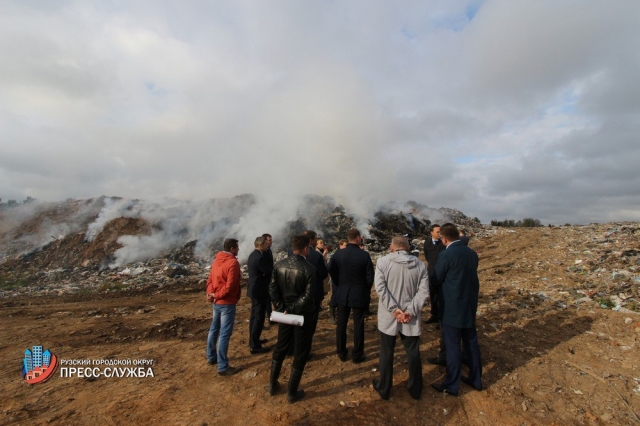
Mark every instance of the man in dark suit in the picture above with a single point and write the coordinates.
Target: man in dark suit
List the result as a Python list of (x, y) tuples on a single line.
[(352, 273), (315, 258), (432, 247), (457, 271), (463, 237), (260, 271), (268, 239)]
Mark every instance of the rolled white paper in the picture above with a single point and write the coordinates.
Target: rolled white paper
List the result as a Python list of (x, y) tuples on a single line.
[(287, 319)]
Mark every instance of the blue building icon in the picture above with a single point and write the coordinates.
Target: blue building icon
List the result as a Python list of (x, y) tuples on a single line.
[(37, 356), (27, 362)]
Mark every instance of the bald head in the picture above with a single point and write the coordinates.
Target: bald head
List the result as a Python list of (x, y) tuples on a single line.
[(399, 243)]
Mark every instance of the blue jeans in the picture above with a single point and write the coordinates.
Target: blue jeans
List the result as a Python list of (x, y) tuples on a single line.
[(222, 327)]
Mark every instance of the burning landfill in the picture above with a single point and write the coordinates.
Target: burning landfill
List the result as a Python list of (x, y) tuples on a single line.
[(113, 244)]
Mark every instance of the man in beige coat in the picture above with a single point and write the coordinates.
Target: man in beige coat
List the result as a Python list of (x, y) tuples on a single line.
[(402, 284)]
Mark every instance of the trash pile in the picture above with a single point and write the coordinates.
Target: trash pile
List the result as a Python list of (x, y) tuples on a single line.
[(607, 261), (73, 263)]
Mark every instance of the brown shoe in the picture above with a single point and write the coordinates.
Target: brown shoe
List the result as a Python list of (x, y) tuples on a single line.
[(229, 371)]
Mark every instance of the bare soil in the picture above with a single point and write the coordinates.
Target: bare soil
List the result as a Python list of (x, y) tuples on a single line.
[(546, 358)]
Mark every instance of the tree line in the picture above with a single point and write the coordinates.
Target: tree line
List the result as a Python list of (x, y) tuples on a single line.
[(524, 223)]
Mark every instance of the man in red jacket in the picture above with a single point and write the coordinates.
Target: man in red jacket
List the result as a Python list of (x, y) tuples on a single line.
[(223, 290)]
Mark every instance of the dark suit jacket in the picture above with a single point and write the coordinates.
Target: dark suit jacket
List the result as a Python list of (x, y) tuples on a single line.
[(352, 273), (431, 252), (457, 271), (317, 261), (259, 275)]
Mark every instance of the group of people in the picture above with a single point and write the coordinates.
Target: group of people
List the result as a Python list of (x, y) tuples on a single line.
[(298, 284)]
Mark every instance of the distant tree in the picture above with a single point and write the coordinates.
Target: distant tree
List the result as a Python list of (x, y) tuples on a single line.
[(476, 220), (12, 203), (524, 223), (506, 222), (29, 200), (530, 223)]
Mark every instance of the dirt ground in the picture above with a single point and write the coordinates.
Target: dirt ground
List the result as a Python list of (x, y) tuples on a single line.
[(546, 359)]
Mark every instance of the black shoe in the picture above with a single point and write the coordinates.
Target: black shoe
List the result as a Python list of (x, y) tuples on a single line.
[(440, 388), (260, 350), (229, 371), (263, 341), (375, 388), (431, 320), (214, 362), (343, 357), (359, 359), (437, 361), (466, 380)]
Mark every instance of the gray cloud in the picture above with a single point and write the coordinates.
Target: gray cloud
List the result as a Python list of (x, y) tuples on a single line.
[(501, 109)]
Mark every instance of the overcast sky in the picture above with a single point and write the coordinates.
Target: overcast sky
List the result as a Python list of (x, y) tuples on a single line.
[(501, 109)]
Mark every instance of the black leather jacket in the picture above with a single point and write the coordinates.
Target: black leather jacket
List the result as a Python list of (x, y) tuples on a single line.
[(292, 285)]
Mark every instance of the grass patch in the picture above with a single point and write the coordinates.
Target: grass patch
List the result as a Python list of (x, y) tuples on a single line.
[(112, 287), (605, 303), (12, 284)]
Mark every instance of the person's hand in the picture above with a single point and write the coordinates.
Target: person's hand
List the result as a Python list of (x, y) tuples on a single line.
[(406, 317), (398, 314), (211, 298)]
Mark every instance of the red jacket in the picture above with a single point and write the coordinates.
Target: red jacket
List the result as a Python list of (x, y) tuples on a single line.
[(224, 279)]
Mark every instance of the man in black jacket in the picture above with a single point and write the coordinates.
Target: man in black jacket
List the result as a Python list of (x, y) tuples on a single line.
[(432, 247), (258, 290), (352, 273), (457, 270), (291, 290), (317, 261), (268, 239)]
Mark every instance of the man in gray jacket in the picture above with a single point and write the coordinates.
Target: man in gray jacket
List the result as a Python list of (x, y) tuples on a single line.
[(402, 283)]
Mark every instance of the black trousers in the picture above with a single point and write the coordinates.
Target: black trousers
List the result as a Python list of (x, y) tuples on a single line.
[(312, 326), (300, 337), (256, 320), (314, 321), (387, 348), (469, 337), (358, 331), (269, 310), (434, 295)]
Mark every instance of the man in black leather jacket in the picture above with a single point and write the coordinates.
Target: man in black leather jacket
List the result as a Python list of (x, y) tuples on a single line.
[(292, 288)]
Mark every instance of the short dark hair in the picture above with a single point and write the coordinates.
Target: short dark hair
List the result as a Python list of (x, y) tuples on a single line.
[(352, 234), (434, 226), (267, 236), (230, 243), (299, 242), (259, 242), (450, 232), (311, 234)]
